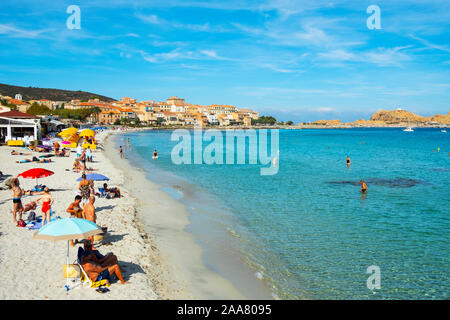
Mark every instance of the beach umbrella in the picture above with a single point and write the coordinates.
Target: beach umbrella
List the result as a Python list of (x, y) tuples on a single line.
[(87, 133), (36, 173), (67, 229), (68, 132), (95, 177)]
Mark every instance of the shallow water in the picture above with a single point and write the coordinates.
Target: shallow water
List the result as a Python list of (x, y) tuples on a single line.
[(308, 232)]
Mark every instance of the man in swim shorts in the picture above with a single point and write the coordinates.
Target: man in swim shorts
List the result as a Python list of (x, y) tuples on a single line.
[(17, 198)]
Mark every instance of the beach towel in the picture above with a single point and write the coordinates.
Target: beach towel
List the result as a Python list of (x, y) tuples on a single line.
[(33, 226)]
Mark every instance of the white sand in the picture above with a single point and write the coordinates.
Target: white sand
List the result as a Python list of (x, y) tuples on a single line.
[(162, 263)]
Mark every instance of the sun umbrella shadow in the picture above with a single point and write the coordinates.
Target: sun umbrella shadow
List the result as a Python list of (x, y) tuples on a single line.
[(113, 238)]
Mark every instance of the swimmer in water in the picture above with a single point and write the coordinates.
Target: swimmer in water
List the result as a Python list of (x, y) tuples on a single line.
[(348, 162), (155, 154), (363, 186), (128, 143)]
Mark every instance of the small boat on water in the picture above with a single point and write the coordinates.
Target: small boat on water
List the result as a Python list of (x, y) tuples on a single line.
[(443, 130), (408, 129)]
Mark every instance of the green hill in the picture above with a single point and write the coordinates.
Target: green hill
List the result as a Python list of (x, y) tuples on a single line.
[(33, 93)]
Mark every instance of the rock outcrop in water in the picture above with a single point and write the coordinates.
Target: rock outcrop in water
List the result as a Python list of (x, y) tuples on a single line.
[(385, 182), (385, 118)]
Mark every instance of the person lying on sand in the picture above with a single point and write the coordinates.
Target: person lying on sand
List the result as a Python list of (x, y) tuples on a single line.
[(30, 206), (100, 268), (15, 153), (37, 149), (113, 190), (28, 160)]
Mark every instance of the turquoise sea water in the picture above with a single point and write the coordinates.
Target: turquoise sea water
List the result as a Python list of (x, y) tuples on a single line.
[(307, 231)]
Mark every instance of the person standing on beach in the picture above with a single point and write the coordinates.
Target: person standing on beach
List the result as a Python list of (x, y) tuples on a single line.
[(47, 201), (84, 188), (79, 150), (83, 160), (89, 154), (120, 151), (17, 198), (89, 214), (363, 186), (89, 210)]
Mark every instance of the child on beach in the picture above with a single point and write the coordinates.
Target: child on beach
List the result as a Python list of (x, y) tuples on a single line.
[(47, 201)]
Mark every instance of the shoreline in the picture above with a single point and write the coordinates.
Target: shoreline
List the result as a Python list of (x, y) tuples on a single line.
[(187, 276)]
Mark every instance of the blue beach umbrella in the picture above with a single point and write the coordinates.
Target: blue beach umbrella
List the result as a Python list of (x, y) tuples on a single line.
[(67, 229), (95, 177)]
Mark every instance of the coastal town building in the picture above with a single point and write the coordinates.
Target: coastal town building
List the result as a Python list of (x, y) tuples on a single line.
[(173, 111), (21, 105), (16, 125)]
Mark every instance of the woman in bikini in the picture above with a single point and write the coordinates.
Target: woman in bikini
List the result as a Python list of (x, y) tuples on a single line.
[(47, 201), (17, 198), (83, 161)]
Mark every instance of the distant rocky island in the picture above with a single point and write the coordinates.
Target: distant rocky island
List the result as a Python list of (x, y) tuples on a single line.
[(386, 118)]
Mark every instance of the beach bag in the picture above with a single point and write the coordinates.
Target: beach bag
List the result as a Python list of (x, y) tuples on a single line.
[(71, 271), (21, 223)]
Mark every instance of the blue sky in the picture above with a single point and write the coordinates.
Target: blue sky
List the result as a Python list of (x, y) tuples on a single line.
[(296, 60)]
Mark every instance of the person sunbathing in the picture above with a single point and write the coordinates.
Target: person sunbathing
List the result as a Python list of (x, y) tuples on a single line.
[(113, 190), (28, 160), (76, 166), (100, 268), (37, 149), (30, 206), (15, 153), (45, 160), (65, 152)]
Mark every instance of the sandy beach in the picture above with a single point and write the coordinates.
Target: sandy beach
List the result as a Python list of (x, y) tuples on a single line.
[(161, 261)]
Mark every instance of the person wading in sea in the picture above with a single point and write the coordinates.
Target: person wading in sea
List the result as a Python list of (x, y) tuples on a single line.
[(363, 186)]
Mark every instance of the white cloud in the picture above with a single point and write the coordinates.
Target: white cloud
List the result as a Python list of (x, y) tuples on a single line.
[(11, 30)]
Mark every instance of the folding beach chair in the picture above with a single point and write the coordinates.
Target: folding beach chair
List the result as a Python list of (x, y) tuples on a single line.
[(92, 284)]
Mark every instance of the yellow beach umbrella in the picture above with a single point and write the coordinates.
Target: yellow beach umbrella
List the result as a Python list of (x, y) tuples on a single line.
[(68, 132), (87, 133)]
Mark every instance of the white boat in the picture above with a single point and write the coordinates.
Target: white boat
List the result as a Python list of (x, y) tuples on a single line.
[(443, 130), (408, 129)]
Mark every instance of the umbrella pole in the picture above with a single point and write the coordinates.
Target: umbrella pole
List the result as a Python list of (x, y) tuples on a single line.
[(67, 269)]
